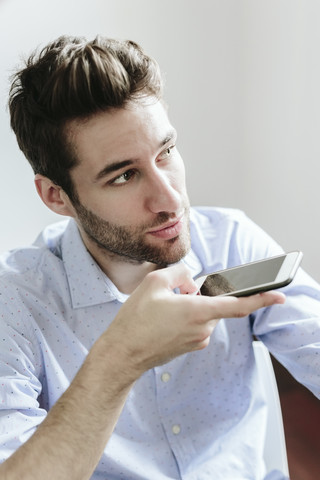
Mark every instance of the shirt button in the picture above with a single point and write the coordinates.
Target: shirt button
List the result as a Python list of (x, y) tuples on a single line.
[(165, 377), (176, 429)]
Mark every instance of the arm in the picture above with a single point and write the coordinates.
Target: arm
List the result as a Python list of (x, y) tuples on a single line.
[(292, 333), (70, 441)]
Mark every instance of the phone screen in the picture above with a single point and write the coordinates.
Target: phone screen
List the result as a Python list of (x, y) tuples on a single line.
[(244, 277)]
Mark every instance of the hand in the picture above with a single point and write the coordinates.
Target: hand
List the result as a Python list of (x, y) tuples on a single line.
[(156, 325)]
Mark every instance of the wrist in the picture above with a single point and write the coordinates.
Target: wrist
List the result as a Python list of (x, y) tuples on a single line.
[(114, 362)]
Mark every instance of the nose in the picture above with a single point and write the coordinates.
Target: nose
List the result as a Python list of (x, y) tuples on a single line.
[(163, 194)]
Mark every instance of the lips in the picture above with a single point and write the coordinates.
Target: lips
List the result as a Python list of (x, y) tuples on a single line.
[(169, 230)]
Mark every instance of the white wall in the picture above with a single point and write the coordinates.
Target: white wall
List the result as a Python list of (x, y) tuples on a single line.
[(243, 89)]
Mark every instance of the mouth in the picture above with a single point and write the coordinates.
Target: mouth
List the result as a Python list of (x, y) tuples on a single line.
[(169, 230)]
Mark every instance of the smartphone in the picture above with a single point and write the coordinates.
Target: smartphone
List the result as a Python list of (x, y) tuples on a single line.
[(251, 278)]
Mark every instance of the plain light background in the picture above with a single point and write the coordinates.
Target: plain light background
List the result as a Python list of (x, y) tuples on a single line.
[(242, 83)]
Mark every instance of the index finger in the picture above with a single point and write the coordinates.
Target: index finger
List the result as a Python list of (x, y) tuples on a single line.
[(229, 306)]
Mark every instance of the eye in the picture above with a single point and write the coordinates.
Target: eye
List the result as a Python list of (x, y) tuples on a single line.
[(166, 153), (123, 178)]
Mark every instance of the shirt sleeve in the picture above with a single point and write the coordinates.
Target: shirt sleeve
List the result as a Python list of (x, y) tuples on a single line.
[(292, 331), (20, 373)]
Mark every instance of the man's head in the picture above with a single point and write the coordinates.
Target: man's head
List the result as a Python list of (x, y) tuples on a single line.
[(74, 78), (90, 120)]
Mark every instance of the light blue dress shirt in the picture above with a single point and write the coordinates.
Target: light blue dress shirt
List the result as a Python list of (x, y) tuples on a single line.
[(199, 417)]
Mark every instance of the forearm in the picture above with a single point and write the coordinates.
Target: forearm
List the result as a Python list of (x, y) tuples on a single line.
[(71, 440)]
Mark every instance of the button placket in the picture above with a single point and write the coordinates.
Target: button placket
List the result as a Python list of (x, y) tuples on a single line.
[(167, 382), (165, 378)]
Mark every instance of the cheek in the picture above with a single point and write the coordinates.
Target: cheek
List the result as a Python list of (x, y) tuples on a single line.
[(117, 209), (178, 177)]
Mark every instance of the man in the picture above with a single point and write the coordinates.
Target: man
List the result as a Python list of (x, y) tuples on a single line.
[(108, 368)]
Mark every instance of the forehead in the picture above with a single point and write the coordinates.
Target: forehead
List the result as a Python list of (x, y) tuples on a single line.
[(118, 132)]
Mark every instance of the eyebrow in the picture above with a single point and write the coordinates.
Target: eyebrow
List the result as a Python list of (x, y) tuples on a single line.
[(169, 136), (112, 167), (115, 166)]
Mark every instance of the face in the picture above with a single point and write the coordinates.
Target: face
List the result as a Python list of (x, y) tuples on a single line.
[(132, 201)]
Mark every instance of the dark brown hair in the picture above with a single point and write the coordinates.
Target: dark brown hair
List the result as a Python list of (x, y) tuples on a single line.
[(74, 78)]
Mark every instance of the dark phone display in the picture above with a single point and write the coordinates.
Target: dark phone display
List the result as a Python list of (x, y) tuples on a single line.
[(243, 277)]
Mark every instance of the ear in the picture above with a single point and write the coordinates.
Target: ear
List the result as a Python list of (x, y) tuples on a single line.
[(53, 196)]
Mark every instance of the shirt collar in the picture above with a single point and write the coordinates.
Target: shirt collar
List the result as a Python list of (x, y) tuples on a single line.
[(193, 263), (88, 284)]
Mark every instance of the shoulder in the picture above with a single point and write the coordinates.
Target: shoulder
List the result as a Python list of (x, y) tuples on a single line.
[(224, 237), (25, 263), (216, 217), (219, 223)]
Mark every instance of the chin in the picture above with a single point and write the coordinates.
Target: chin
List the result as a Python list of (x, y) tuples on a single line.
[(178, 250)]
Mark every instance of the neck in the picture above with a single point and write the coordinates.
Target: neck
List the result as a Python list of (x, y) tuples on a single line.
[(126, 274)]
